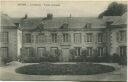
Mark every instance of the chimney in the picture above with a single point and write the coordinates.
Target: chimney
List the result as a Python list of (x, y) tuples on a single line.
[(49, 16), (26, 16)]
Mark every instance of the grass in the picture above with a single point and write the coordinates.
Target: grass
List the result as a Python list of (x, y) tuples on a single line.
[(64, 69)]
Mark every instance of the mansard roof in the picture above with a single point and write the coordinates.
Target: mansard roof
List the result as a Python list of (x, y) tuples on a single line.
[(57, 22), (6, 21)]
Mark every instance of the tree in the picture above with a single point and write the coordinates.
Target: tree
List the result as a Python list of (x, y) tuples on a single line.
[(114, 9)]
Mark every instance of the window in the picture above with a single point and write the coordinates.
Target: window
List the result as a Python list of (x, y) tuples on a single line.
[(41, 38), (4, 52), (123, 50), (100, 51), (77, 37), (28, 51), (41, 51), (122, 35), (78, 50), (28, 38), (54, 37), (89, 37), (100, 37), (65, 37), (89, 51), (53, 49), (4, 37)]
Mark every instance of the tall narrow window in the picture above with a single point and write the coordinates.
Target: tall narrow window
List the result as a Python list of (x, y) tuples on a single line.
[(4, 37), (100, 51), (28, 38), (78, 50), (77, 38), (123, 50), (89, 51), (100, 37), (89, 37), (122, 35), (54, 37), (41, 38), (28, 51), (41, 51), (65, 37)]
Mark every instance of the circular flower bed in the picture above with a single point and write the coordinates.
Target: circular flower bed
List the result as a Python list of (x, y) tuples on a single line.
[(64, 69)]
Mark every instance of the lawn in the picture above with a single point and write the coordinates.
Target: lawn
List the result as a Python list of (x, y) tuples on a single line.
[(64, 69)]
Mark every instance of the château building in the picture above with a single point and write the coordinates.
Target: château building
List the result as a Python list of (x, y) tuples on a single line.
[(34, 36)]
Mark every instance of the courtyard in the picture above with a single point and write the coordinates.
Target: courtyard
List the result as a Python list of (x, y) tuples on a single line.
[(8, 73)]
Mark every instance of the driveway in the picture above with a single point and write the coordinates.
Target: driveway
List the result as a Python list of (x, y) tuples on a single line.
[(8, 73)]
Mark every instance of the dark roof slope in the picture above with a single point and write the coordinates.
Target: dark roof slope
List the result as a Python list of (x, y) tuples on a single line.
[(122, 20), (57, 22)]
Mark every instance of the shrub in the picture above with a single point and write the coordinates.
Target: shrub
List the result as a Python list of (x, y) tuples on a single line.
[(6, 60)]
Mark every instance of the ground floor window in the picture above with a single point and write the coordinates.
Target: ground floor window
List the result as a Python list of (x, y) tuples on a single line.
[(100, 51), (78, 50), (41, 51), (53, 49), (4, 51), (89, 51), (123, 50)]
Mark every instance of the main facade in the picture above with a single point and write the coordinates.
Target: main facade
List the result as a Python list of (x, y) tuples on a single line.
[(105, 36)]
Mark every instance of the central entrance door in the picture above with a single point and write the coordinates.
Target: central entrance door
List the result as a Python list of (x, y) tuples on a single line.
[(65, 54)]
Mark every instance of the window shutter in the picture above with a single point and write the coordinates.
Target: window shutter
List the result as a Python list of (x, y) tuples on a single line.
[(69, 38), (85, 38), (117, 36), (32, 38), (31, 51), (24, 38), (118, 50)]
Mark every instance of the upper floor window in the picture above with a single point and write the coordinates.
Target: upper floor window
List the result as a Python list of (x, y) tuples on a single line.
[(77, 38), (65, 37), (54, 49), (122, 35), (4, 37), (41, 38), (100, 37), (89, 37), (28, 38), (54, 37)]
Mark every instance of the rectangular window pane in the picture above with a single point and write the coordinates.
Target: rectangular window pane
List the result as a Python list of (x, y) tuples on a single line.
[(28, 38), (100, 51), (77, 38), (41, 51), (78, 50), (100, 37), (122, 35), (89, 37), (65, 37), (53, 49), (54, 37), (89, 51)]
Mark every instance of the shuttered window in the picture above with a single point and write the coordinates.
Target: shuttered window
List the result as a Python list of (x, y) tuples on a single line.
[(54, 37), (100, 37), (89, 37), (28, 38)]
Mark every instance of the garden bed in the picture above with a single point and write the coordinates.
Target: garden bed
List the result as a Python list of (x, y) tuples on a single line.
[(64, 69)]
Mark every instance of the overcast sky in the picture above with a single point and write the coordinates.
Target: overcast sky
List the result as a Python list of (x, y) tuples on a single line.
[(63, 9)]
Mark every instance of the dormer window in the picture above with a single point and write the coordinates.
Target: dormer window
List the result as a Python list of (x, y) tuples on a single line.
[(88, 25), (64, 26)]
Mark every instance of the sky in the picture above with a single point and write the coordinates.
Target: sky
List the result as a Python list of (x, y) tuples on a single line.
[(57, 8)]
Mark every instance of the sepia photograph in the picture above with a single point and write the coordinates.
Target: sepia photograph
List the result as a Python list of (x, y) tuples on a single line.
[(63, 40)]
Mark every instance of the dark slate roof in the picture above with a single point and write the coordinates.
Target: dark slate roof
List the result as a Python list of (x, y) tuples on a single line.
[(6, 21), (122, 20), (57, 22)]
